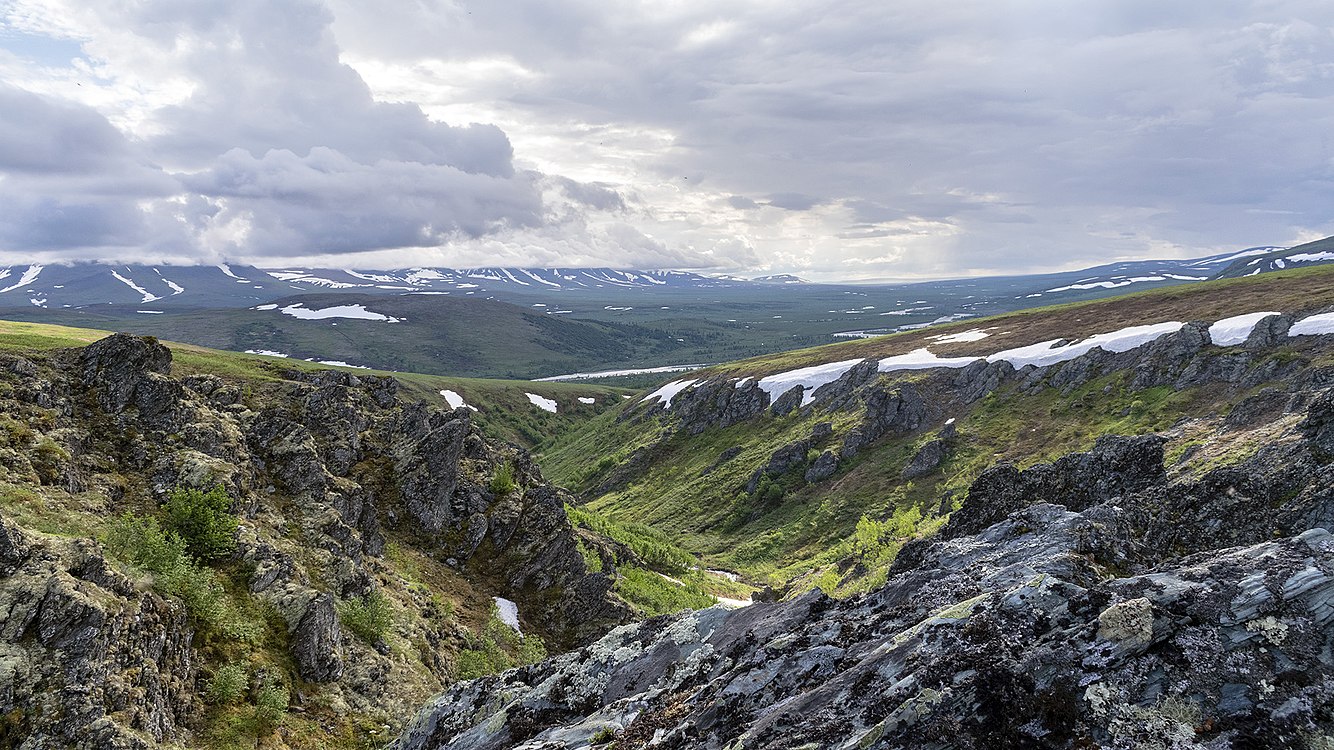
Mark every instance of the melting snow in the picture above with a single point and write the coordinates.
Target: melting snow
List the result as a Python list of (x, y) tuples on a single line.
[(508, 612), (619, 373), (1315, 325), (175, 288), (227, 270), (1046, 353), (587, 400), (266, 353), (922, 359), (1236, 329), (1307, 257), (337, 363), (265, 307), (147, 297), (455, 400), (668, 392), (357, 312), (149, 312), (541, 402), (27, 278), (809, 378), (976, 334)]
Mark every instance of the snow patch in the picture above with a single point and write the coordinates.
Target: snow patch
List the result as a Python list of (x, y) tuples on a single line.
[(618, 373), (147, 297), (1308, 257), (508, 613), (666, 393), (149, 312), (1236, 329), (587, 400), (1046, 353), (355, 312), (1316, 325), (27, 278), (265, 307), (455, 400), (809, 378), (922, 359), (267, 353), (542, 402), (976, 334)]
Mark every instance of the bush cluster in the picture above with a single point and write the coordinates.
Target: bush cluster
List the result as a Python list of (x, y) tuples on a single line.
[(368, 617)]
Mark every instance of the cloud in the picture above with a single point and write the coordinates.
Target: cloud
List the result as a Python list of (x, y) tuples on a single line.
[(906, 139)]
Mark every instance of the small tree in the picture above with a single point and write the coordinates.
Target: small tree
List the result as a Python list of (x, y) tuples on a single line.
[(203, 520)]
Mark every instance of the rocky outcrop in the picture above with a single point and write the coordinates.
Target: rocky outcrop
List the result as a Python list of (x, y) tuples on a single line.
[(87, 660), (1008, 638), (325, 468)]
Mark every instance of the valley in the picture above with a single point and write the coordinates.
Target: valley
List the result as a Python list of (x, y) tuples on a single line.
[(394, 540)]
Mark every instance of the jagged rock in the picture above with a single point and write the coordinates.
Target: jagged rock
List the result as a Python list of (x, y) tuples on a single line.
[(835, 395), (118, 364), (927, 459), (1009, 638), (783, 460), (724, 457), (317, 640), (718, 402), (788, 401), (1271, 331), (1318, 427), (896, 411), (1257, 408), (822, 467)]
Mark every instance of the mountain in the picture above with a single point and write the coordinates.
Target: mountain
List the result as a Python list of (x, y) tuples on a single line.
[(782, 278), (1309, 254), (616, 320), (162, 286)]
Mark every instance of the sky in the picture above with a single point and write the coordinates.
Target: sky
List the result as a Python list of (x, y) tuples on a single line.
[(836, 139)]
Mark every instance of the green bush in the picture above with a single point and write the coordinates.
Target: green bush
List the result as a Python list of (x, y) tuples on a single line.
[(142, 543), (228, 684), (498, 648), (203, 520), (270, 705), (655, 595), (502, 482), (369, 617)]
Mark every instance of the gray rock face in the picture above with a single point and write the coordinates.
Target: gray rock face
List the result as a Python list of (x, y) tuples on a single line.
[(927, 459), (86, 660), (1009, 638), (317, 641), (788, 402), (117, 364)]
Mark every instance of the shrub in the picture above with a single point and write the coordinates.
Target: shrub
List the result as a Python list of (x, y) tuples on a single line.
[(369, 617), (228, 684), (270, 705), (203, 520), (502, 482), (655, 595)]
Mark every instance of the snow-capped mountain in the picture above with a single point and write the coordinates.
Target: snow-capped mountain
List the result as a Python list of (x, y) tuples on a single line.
[(81, 285)]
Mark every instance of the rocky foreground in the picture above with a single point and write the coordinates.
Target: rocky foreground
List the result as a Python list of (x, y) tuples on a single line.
[(329, 473), (1090, 602)]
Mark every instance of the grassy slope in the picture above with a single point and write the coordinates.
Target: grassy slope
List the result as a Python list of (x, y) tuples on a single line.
[(813, 532), (504, 409)]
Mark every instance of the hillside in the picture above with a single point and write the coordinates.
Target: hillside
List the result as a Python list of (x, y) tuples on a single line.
[(791, 488), (1033, 542)]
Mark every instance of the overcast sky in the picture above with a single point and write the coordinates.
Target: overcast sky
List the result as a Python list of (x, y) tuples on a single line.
[(836, 140)]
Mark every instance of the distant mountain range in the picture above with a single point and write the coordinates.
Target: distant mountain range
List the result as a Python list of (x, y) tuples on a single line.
[(531, 322)]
